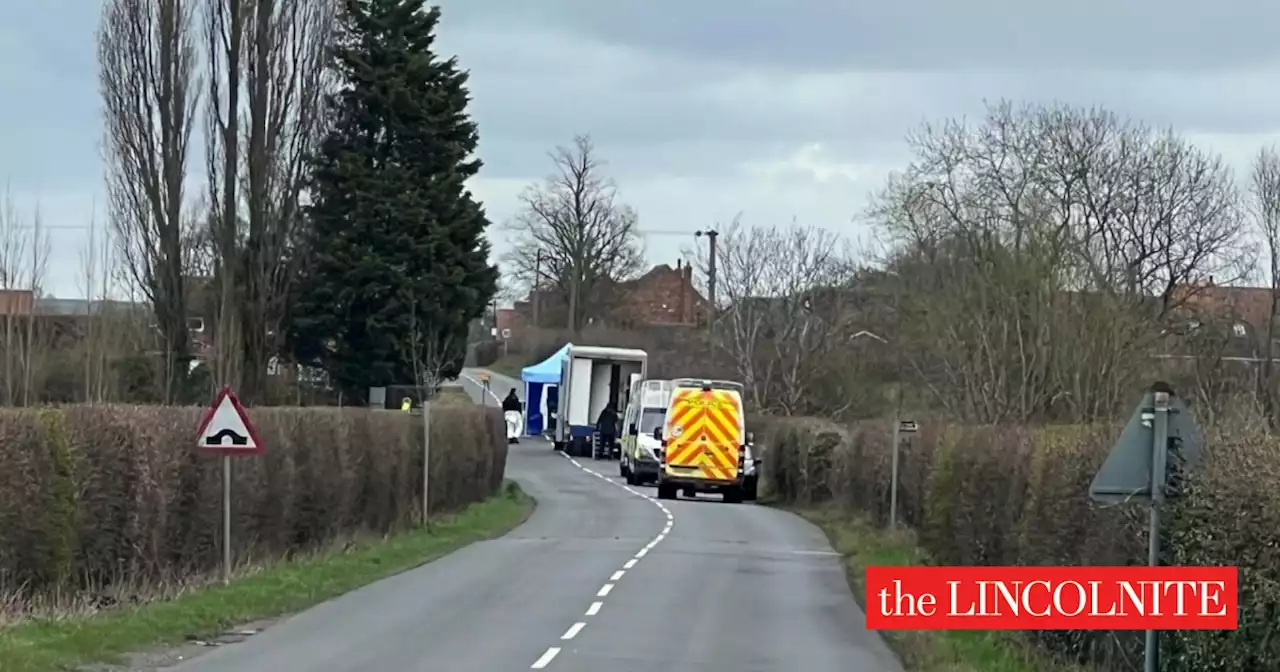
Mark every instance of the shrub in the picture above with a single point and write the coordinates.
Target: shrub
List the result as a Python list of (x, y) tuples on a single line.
[(94, 495), (1019, 496)]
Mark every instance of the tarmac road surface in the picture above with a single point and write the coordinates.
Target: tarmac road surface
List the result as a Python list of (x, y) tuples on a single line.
[(602, 576)]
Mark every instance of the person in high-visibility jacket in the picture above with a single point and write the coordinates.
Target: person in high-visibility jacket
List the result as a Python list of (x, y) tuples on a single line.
[(406, 404)]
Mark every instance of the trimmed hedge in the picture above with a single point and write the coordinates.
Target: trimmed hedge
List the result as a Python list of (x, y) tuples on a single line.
[(92, 496), (1018, 496)]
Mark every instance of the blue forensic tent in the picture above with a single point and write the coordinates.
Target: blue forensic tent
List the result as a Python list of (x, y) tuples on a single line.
[(541, 386)]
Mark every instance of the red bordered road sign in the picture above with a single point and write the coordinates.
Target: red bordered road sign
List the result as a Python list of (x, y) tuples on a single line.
[(226, 429)]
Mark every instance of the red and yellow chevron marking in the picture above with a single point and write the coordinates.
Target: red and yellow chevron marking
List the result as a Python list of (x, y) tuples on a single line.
[(715, 414)]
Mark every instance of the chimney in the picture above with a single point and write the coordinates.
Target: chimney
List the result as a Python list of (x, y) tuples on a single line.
[(686, 295)]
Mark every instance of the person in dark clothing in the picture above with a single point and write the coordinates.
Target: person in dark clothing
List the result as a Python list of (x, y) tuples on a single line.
[(607, 427), (512, 403)]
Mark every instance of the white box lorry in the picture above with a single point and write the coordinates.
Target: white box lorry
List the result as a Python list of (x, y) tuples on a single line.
[(591, 377)]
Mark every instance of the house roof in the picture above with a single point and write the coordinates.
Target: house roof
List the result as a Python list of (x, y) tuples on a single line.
[(1251, 304), (53, 306)]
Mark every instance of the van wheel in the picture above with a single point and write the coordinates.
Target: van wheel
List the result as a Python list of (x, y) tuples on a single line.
[(666, 491), (559, 446), (733, 495), (750, 490)]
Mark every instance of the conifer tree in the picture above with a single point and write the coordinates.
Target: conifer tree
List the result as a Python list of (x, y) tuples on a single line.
[(398, 259)]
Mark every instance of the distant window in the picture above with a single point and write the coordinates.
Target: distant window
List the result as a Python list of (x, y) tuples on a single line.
[(1241, 330), (195, 324)]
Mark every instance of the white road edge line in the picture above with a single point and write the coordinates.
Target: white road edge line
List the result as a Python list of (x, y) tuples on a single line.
[(604, 590), (546, 658), (480, 385), (594, 608), (573, 630), (630, 563), (617, 575)]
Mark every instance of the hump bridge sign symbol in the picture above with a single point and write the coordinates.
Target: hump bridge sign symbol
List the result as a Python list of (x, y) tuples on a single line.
[(226, 428)]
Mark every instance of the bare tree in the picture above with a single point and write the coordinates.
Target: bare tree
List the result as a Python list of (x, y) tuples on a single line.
[(1053, 249), (267, 82), (89, 261), (286, 85), (12, 250), (574, 230), (147, 59), (226, 23), (38, 265), (428, 349), (1265, 206), (786, 291)]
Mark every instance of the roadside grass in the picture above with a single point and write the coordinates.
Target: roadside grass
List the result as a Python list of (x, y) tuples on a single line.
[(290, 586), (862, 545)]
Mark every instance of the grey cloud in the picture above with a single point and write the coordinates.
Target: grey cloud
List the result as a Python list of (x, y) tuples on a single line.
[(49, 125), (652, 113), (914, 34)]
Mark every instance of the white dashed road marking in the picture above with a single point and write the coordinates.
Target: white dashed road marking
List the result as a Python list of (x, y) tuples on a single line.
[(546, 658), (551, 653), (604, 591)]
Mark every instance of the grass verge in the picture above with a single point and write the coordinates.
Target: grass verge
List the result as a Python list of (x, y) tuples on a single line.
[(862, 545), (288, 587)]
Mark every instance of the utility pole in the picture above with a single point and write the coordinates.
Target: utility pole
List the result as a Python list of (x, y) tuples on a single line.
[(711, 235), (897, 408), (537, 282)]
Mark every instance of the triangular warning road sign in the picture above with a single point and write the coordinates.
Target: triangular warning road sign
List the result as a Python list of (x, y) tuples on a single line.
[(226, 428), (1126, 473)]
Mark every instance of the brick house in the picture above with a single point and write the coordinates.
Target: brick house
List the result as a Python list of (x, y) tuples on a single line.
[(509, 320), (17, 302), (662, 296)]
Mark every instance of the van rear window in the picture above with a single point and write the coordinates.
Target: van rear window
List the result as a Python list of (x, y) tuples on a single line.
[(651, 419)]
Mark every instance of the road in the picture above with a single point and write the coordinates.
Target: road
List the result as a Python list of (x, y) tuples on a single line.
[(602, 576)]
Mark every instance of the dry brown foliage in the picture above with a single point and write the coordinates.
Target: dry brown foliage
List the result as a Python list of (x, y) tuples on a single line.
[(1008, 495), (95, 497)]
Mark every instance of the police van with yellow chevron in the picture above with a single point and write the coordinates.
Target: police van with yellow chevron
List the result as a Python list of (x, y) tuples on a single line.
[(704, 443)]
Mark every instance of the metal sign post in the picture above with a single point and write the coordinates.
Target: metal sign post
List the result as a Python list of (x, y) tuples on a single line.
[(426, 462), (893, 476), (226, 431), (900, 427), (226, 518), (1159, 475), (1137, 469)]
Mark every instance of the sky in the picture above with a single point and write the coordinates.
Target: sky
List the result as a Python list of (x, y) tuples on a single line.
[(709, 109)]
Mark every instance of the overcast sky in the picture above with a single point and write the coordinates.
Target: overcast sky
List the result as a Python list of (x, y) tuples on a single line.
[(708, 108)]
